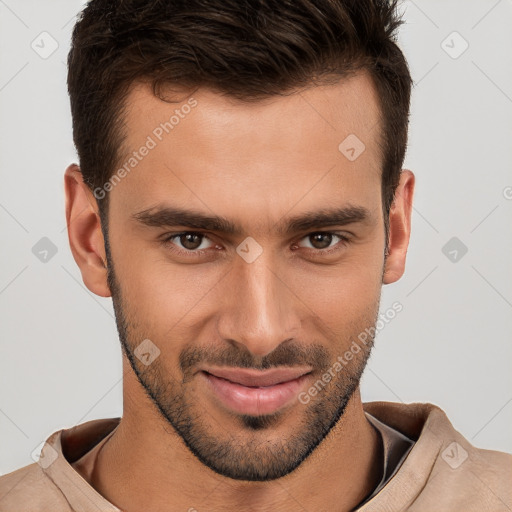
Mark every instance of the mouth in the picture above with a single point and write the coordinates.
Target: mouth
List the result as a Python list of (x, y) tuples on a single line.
[(255, 392)]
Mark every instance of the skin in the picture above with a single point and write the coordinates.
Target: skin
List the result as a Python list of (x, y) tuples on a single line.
[(254, 164)]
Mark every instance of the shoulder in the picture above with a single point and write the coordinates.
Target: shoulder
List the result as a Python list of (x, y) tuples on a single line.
[(444, 471), (29, 488), (468, 478)]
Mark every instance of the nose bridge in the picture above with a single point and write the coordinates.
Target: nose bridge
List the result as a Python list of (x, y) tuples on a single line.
[(259, 311)]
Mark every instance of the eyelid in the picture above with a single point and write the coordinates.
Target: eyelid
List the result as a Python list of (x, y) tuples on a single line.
[(168, 237), (344, 237), (339, 234)]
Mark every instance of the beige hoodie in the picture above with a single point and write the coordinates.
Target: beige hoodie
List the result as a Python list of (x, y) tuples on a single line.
[(438, 471)]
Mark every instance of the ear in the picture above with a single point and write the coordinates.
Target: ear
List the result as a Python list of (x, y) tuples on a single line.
[(84, 232), (399, 228)]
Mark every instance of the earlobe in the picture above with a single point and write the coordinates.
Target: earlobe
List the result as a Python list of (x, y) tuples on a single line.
[(84, 232), (399, 228)]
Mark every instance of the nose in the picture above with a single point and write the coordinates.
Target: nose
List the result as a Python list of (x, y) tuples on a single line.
[(260, 309)]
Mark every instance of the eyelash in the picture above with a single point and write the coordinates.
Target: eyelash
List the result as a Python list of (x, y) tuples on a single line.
[(167, 242)]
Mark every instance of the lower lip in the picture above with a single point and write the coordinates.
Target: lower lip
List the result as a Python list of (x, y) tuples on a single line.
[(254, 401)]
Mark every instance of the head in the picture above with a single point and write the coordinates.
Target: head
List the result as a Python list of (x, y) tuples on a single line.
[(241, 198)]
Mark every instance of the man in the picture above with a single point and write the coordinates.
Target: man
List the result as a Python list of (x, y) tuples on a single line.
[(241, 198)]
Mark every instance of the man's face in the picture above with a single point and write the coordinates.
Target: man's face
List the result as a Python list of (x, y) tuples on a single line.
[(270, 294)]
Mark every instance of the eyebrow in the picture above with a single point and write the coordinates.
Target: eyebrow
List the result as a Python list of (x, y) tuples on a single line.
[(168, 216)]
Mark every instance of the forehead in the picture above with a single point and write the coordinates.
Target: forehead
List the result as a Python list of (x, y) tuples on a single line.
[(212, 150), (347, 107)]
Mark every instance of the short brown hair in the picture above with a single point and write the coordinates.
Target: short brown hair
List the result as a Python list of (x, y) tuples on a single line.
[(247, 49)]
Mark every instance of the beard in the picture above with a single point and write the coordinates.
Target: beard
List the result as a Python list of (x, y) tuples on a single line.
[(251, 452)]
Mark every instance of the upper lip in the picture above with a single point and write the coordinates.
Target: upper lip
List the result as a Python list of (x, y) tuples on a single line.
[(250, 377)]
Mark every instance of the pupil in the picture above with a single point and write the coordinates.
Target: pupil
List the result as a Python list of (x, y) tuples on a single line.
[(320, 240), (189, 243), (318, 237)]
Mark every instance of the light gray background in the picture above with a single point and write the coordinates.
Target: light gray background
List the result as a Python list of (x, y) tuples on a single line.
[(451, 345)]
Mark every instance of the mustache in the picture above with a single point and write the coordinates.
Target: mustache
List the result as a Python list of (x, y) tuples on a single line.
[(285, 354)]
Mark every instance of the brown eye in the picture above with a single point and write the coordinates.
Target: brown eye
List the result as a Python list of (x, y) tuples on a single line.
[(324, 242), (321, 240), (190, 241)]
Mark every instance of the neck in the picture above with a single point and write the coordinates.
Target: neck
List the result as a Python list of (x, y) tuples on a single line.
[(145, 453)]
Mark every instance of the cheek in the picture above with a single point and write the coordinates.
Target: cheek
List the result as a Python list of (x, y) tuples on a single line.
[(153, 287), (345, 301), (346, 289), (168, 304)]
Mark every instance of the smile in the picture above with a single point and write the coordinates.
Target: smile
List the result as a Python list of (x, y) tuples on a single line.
[(255, 392)]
